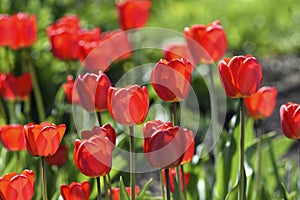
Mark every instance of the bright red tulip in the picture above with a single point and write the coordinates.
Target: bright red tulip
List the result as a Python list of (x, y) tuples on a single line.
[(71, 93), (92, 90), (13, 88), (25, 27), (207, 43), (173, 51), (89, 35), (190, 147), (76, 191), (241, 76), (59, 158), (93, 156), (172, 175), (171, 79), (290, 120), (7, 33), (164, 144), (129, 105), (43, 139), (261, 104), (17, 186), (116, 192), (13, 137), (133, 13)]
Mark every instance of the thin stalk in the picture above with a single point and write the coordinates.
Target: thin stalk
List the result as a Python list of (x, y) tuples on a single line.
[(44, 178), (99, 117), (183, 181), (179, 181), (105, 187), (7, 59), (173, 111), (2, 111), (298, 184), (132, 163), (162, 184), (167, 184), (68, 66), (258, 161), (98, 188), (109, 186), (12, 113), (242, 144)]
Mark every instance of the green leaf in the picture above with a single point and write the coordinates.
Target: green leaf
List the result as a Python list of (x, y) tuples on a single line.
[(233, 194), (285, 194), (123, 193), (143, 191)]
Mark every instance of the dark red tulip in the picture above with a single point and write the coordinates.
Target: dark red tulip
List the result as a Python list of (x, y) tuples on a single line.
[(164, 141), (290, 120), (92, 90), (17, 186), (207, 43), (13, 137), (172, 175), (107, 130), (43, 139), (76, 191), (190, 146), (70, 92), (25, 27), (171, 79), (173, 51), (261, 104), (116, 192), (241, 76), (15, 88), (7, 32), (133, 13), (59, 158), (129, 105), (93, 156)]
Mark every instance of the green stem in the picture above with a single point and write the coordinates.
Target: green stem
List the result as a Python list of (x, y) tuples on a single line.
[(105, 187), (242, 143), (37, 93), (258, 161), (168, 184), (179, 182), (183, 180), (109, 186), (68, 66), (44, 178), (132, 163), (98, 188), (99, 117), (162, 184), (2, 111), (173, 111), (7, 59), (12, 113)]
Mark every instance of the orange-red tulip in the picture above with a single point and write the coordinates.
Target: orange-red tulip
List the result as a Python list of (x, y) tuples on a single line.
[(76, 191), (172, 175), (13, 88), (70, 92), (241, 76), (290, 120), (59, 158), (7, 33), (129, 105), (190, 147), (93, 156), (207, 43), (43, 139), (13, 137), (133, 13), (17, 186), (176, 51), (171, 79), (107, 130), (261, 104), (164, 144), (116, 192), (25, 27), (92, 90)]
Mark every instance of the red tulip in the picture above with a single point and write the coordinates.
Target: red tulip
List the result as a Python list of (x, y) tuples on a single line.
[(25, 27), (6, 27), (71, 93), (173, 51), (13, 88), (190, 146), (93, 156), (43, 139), (290, 120), (208, 43), (76, 191), (261, 104), (163, 141), (133, 13), (64, 36), (89, 35), (17, 186), (92, 90), (172, 175), (13, 137), (171, 80), (107, 130), (59, 158), (128, 106), (241, 76), (116, 192)]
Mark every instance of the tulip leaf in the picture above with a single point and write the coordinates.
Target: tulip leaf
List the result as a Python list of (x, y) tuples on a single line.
[(285, 194), (123, 193), (143, 191)]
